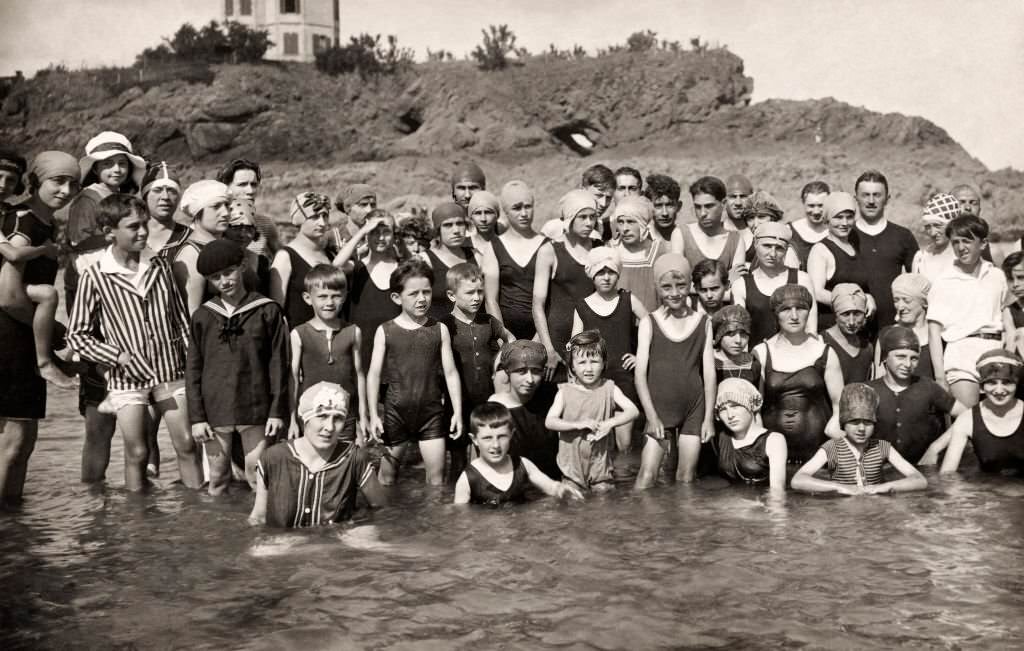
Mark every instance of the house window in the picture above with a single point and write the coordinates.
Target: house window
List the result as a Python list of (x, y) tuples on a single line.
[(229, 7), (291, 43), (290, 6), (245, 7)]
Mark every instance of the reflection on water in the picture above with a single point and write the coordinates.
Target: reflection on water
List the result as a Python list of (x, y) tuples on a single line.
[(708, 566)]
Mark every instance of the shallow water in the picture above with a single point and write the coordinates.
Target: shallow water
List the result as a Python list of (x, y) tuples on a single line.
[(708, 566)]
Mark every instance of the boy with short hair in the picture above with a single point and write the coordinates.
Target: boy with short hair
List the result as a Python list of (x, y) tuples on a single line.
[(663, 192), (410, 353), (130, 299), (237, 371), (965, 310), (329, 349), (855, 460), (710, 286), (599, 180), (476, 339), (490, 426)]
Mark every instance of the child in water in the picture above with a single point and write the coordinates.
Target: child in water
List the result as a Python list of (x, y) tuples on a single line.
[(584, 413), (731, 328), (496, 477), (855, 460)]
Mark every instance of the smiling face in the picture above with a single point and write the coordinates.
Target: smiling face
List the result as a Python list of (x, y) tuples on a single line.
[(814, 207), (228, 283), (382, 238), (415, 297), (859, 430), (131, 233), (673, 288), (493, 443), (326, 302), (735, 417), (113, 171), (966, 250), (58, 191), (999, 392), (902, 363), (841, 224), (909, 309), (524, 381)]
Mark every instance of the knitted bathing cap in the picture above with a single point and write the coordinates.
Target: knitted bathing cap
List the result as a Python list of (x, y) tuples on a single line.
[(731, 318), (857, 402), (791, 295), (741, 392)]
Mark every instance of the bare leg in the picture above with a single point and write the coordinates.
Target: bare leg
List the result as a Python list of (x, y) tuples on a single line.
[(967, 392), (99, 430), (623, 437), (432, 452), (133, 420), (689, 453), (218, 452), (190, 463), (17, 440), (254, 443), (153, 462), (44, 316), (389, 464), (650, 462)]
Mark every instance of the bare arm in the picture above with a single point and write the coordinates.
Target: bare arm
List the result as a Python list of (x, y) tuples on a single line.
[(820, 267), (912, 480), (812, 316), (577, 323), (556, 423), (280, 274), (546, 484), (492, 284), (643, 390), (834, 385), (451, 378), (14, 299), (805, 481), (935, 351), (462, 492), (959, 434), (739, 293), (351, 246), (296, 363), (258, 515), (541, 285), (373, 383), (357, 360), (778, 454), (675, 243), (710, 385)]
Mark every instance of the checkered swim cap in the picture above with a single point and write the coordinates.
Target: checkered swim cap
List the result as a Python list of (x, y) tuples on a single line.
[(941, 209)]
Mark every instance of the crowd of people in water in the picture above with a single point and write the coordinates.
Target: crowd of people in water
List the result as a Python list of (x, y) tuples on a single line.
[(830, 352)]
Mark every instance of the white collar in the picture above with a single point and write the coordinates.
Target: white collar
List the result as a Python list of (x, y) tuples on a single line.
[(871, 229), (108, 264)]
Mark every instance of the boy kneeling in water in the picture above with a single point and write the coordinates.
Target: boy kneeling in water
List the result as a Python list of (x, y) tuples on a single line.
[(314, 479), (855, 461), (496, 477)]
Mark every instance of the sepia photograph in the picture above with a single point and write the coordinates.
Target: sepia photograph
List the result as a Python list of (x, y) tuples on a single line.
[(477, 324)]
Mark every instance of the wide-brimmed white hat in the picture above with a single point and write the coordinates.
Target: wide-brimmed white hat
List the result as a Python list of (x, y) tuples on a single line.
[(107, 145)]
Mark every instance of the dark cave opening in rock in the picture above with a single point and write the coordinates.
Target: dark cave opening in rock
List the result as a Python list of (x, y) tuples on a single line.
[(410, 121), (574, 135)]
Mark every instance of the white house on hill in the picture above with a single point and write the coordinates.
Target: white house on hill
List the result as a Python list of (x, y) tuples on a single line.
[(298, 28)]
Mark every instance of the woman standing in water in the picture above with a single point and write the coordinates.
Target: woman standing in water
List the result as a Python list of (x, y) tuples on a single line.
[(310, 212), (812, 227), (206, 202), (800, 374), (835, 259), (561, 280), (510, 265), (449, 249), (53, 183)]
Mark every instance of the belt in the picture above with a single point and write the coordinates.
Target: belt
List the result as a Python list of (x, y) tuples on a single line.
[(994, 336)]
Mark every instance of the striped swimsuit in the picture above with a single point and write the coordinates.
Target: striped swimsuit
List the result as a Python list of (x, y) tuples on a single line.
[(844, 466)]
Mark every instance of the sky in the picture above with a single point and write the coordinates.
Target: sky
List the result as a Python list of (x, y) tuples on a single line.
[(958, 63)]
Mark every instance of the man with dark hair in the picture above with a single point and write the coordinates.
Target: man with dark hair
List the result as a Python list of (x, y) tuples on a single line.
[(886, 249), (738, 190), (599, 180), (664, 192), (243, 178)]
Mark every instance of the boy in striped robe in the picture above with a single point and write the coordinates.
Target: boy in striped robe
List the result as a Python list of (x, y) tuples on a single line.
[(128, 296)]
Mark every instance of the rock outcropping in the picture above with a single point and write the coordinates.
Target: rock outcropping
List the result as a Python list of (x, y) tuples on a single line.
[(684, 113)]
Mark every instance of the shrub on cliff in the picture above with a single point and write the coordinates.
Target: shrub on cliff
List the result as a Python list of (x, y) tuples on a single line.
[(365, 55), (231, 43), (493, 53)]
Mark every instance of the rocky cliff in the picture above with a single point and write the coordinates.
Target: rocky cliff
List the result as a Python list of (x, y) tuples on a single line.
[(683, 113)]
